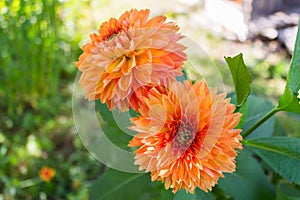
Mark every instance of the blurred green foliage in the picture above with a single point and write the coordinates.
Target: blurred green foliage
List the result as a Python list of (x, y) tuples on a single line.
[(38, 50)]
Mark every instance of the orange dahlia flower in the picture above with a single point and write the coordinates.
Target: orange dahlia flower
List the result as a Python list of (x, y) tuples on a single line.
[(127, 54), (186, 136), (47, 173)]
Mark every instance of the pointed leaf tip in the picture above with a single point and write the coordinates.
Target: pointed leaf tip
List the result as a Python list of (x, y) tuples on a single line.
[(241, 78)]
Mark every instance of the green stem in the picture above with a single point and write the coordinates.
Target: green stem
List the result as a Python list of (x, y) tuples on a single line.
[(260, 122)]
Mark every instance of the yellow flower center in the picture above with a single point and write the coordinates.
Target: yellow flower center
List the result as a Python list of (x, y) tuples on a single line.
[(183, 139)]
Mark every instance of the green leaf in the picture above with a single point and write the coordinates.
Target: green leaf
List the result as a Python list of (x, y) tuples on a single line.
[(114, 184), (241, 78), (248, 182), (289, 102), (165, 194), (111, 129), (198, 195), (293, 80), (243, 109), (257, 108), (279, 130), (181, 194), (201, 195), (281, 153), (287, 192), (182, 77)]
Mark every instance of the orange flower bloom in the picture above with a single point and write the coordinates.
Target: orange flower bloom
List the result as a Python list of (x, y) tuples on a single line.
[(186, 136), (127, 54), (47, 173)]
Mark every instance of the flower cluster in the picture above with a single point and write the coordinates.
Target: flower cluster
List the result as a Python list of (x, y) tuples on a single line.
[(186, 134)]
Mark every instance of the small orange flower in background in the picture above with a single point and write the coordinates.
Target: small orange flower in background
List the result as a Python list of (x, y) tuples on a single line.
[(127, 54), (186, 136), (47, 173)]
